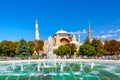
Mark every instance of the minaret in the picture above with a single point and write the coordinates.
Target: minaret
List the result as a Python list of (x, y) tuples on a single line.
[(36, 31), (89, 32), (79, 36), (74, 37)]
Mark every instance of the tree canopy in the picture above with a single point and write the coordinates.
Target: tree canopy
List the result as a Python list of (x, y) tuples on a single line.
[(98, 45), (87, 49), (30, 45), (72, 49), (62, 50), (7, 48), (38, 45), (112, 46), (22, 49)]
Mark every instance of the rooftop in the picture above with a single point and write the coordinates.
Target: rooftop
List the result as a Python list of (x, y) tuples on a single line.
[(61, 31)]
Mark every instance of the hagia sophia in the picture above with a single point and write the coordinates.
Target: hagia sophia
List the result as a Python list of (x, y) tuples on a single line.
[(61, 37)]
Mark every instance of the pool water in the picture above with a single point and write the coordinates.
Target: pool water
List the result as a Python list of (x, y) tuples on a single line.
[(66, 71)]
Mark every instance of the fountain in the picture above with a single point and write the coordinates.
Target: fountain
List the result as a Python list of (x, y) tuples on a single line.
[(59, 60), (13, 65), (38, 67), (92, 65), (61, 67), (81, 68), (21, 68), (71, 70), (50, 54)]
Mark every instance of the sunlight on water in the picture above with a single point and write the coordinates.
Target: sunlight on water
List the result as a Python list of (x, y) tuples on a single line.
[(63, 71)]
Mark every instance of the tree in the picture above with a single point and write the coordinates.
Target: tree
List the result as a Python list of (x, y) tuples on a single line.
[(8, 48), (56, 51), (13, 48), (63, 50), (107, 45), (30, 45), (22, 49), (0, 49), (119, 46), (99, 48), (39, 45), (112, 46), (87, 49), (72, 49)]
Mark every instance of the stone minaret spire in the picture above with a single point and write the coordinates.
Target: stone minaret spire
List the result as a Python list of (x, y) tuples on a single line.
[(89, 32), (79, 36), (74, 37), (36, 31)]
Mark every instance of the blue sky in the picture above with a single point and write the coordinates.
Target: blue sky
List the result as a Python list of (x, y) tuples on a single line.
[(17, 18)]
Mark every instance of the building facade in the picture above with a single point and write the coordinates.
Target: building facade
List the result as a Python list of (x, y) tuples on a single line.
[(61, 37)]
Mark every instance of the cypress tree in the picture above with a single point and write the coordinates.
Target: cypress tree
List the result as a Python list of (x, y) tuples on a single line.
[(22, 49)]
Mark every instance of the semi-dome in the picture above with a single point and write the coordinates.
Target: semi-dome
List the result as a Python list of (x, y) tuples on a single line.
[(61, 31)]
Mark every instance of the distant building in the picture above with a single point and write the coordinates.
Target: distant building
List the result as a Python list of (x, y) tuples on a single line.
[(61, 37)]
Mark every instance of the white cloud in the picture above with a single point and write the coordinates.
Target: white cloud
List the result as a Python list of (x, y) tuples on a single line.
[(71, 32), (111, 35), (117, 31), (79, 32), (118, 39), (111, 31), (106, 36), (83, 31)]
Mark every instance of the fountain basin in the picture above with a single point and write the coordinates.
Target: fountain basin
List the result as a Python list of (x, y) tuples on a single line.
[(73, 69)]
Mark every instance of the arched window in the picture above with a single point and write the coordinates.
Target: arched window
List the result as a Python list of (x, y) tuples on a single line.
[(64, 41)]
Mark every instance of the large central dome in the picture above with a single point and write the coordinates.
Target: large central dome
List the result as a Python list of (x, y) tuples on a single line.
[(62, 32)]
